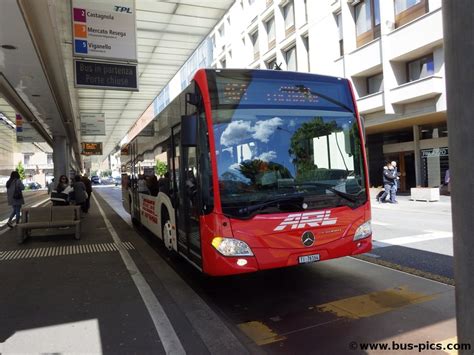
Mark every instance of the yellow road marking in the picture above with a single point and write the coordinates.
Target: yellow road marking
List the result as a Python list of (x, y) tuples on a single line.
[(453, 340), (374, 303), (260, 333)]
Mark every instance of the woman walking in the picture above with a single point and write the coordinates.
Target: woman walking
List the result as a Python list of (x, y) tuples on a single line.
[(15, 197), (80, 193)]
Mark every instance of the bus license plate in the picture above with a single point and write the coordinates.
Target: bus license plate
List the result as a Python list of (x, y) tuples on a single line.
[(308, 258)]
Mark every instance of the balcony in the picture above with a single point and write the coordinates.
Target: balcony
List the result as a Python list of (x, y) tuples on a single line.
[(364, 59), (371, 103), (419, 35), (31, 166), (418, 90)]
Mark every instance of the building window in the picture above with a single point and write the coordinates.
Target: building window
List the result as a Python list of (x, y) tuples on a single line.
[(254, 40), (420, 68), (289, 16), (305, 9), (222, 35), (270, 26), (339, 30), (290, 59), (306, 48), (367, 14), (49, 159), (375, 84), (27, 158), (408, 10), (271, 63), (223, 63)]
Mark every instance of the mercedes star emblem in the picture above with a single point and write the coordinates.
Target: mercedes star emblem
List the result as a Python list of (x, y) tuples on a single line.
[(308, 239)]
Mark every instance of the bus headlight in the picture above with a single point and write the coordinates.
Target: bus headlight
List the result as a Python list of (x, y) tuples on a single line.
[(231, 247), (363, 231)]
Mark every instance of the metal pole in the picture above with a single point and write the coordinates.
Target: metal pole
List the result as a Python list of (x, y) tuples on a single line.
[(458, 19), (416, 141)]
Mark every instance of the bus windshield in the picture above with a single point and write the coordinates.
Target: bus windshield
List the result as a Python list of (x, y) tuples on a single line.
[(285, 145)]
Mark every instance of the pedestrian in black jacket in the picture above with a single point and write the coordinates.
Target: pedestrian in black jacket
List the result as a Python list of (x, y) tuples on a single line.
[(389, 178)]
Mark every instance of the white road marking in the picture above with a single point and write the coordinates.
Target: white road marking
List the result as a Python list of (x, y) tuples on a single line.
[(411, 239), (164, 328)]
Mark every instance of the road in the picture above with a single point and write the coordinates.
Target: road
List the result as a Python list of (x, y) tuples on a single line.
[(415, 236), (337, 304)]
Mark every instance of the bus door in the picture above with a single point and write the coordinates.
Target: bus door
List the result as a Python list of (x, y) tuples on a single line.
[(186, 199), (135, 198)]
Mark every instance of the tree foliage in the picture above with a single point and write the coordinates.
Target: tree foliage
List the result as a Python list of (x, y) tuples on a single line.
[(301, 143), (161, 168), (21, 170)]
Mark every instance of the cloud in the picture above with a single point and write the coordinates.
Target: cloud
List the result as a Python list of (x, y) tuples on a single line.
[(267, 156), (264, 129), (235, 132)]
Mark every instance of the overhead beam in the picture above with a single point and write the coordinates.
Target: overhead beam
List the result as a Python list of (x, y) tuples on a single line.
[(15, 101)]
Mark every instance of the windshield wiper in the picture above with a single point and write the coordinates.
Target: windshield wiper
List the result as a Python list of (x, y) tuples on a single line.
[(293, 199), (345, 195)]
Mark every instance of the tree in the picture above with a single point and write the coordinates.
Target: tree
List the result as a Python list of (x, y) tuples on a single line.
[(21, 170), (161, 168), (302, 140)]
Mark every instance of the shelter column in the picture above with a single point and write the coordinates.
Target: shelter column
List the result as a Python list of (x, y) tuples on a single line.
[(60, 157), (459, 51)]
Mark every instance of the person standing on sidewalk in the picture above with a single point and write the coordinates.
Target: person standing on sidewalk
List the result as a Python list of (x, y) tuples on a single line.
[(79, 192), (15, 197), (88, 184), (396, 185), (388, 181)]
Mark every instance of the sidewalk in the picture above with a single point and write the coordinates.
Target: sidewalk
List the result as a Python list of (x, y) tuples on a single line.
[(404, 203), (95, 295)]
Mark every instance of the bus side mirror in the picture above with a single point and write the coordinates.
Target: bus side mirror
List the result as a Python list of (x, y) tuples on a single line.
[(189, 130)]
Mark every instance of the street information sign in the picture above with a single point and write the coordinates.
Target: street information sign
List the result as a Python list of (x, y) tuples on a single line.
[(25, 133), (103, 29), (93, 124)]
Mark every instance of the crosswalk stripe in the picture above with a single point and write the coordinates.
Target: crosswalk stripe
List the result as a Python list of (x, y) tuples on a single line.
[(411, 239), (33, 253)]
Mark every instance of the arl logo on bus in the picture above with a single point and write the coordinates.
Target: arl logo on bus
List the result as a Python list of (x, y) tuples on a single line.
[(310, 219)]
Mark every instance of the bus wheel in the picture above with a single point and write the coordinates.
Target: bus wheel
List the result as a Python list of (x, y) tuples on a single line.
[(166, 232)]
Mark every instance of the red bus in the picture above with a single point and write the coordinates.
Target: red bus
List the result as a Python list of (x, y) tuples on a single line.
[(249, 170)]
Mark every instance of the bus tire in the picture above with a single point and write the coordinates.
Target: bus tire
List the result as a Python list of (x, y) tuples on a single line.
[(166, 229)]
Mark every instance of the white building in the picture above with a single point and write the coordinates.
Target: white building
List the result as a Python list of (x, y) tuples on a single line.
[(392, 50), (36, 158)]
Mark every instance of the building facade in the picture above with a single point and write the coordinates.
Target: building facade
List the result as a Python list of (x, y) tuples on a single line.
[(391, 50), (36, 158)]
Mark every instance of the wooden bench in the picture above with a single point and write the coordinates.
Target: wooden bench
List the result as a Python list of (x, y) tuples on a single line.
[(48, 217)]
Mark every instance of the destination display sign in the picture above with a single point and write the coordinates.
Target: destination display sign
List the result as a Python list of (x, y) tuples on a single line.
[(103, 29), (93, 124), (91, 148), (99, 75)]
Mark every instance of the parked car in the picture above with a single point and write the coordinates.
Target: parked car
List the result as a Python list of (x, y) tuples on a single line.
[(118, 180), (108, 180), (96, 180), (33, 186)]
